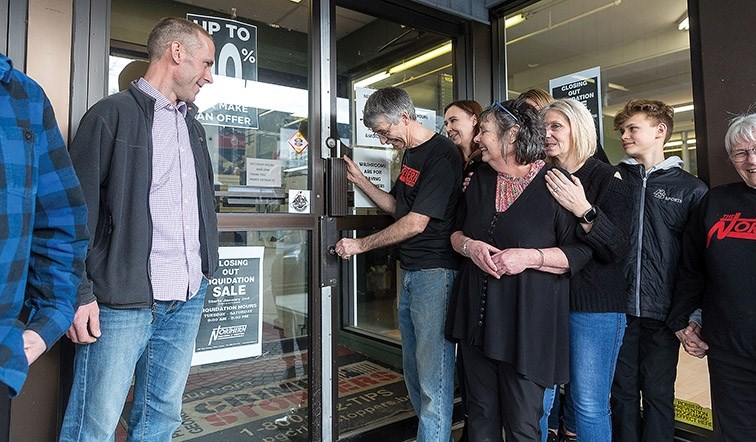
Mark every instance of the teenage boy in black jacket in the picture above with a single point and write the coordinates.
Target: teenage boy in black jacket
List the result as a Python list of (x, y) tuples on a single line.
[(665, 195)]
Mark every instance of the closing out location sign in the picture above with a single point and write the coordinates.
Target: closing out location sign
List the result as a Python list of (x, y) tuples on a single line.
[(585, 87)]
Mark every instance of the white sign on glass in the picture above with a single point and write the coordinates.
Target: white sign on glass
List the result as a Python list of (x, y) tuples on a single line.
[(375, 164)]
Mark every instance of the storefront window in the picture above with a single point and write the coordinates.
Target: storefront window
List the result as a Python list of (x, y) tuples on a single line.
[(255, 113), (262, 396), (641, 49), (249, 379)]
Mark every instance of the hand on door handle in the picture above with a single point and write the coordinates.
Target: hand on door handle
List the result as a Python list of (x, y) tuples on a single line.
[(346, 248)]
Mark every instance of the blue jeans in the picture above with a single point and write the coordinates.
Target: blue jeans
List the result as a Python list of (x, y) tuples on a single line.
[(595, 340), (562, 412), (548, 401), (428, 357), (152, 345)]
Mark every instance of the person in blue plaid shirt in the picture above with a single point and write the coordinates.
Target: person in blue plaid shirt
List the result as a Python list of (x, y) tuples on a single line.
[(43, 227)]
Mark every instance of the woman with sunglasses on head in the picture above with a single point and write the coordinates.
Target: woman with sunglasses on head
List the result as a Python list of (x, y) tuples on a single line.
[(598, 199), (509, 308)]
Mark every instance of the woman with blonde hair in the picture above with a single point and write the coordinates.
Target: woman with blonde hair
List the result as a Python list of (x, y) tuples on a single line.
[(598, 199)]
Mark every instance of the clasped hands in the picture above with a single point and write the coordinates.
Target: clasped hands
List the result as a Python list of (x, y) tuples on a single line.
[(690, 337), (498, 263)]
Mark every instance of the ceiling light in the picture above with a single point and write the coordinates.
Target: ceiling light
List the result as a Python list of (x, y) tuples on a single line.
[(372, 79), (618, 87), (685, 108), (422, 58), (678, 143), (296, 1), (514, 20), (684, 24)]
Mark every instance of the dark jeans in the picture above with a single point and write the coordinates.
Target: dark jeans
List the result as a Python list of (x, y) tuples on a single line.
[(498, 396), (647, 364), (733, 399)]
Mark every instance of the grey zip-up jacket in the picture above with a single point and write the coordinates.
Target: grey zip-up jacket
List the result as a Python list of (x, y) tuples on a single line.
[(112, 155), (663, 199)]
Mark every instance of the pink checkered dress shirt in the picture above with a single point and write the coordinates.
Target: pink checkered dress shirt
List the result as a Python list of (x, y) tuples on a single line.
[(175, 261)]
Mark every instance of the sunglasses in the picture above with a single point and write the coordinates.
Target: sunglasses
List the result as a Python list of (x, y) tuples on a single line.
[(501, 106)]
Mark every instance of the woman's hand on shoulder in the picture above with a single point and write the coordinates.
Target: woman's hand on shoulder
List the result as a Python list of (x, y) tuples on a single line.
[(569, 193), (466, 181)]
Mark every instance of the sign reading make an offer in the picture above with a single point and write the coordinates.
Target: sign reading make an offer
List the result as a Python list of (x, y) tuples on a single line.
[(375, 164), (231, 324), (235, 64), (585, 87)]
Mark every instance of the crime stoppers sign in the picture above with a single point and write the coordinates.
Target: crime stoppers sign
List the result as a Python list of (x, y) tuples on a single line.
[(235, 58)]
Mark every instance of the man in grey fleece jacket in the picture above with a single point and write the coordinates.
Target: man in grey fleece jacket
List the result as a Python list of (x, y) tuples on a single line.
[(147, 177)]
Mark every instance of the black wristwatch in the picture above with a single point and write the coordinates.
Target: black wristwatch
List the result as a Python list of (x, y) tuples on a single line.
[(589, 216)]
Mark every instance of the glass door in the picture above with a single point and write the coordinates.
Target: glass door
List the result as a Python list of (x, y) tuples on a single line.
[(254, 368), (374, 52), (323, 361)]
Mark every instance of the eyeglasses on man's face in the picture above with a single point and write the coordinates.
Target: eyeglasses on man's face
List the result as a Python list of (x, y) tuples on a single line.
[(383, 132), (740, 155)]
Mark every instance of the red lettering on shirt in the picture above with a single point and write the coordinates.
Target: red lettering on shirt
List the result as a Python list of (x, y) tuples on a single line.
[(733, 226), (409, 176)]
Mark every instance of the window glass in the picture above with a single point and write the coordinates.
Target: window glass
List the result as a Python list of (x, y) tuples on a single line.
[(249, 375), (642, 50), (255, 113), (373, 54)]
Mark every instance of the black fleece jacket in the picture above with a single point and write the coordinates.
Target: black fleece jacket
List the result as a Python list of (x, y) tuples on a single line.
[(112, 155)]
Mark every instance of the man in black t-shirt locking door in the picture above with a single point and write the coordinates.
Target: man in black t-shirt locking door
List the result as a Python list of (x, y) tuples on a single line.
[(423, 202)]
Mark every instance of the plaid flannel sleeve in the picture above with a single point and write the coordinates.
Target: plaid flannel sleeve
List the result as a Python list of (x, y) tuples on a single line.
[(59, 237)]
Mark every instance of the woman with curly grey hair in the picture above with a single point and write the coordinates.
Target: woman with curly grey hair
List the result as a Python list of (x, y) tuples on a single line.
[(509, 308)]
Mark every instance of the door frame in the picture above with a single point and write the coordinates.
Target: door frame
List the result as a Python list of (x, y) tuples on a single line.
[(471, 40)]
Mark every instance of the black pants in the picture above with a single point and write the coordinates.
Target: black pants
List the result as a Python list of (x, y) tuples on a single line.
[(4, 412), (498, 396), (733, 399), (647, 363)]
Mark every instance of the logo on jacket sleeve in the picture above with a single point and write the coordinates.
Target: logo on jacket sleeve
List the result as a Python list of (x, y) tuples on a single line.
[(733, 226), (409, 176)]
